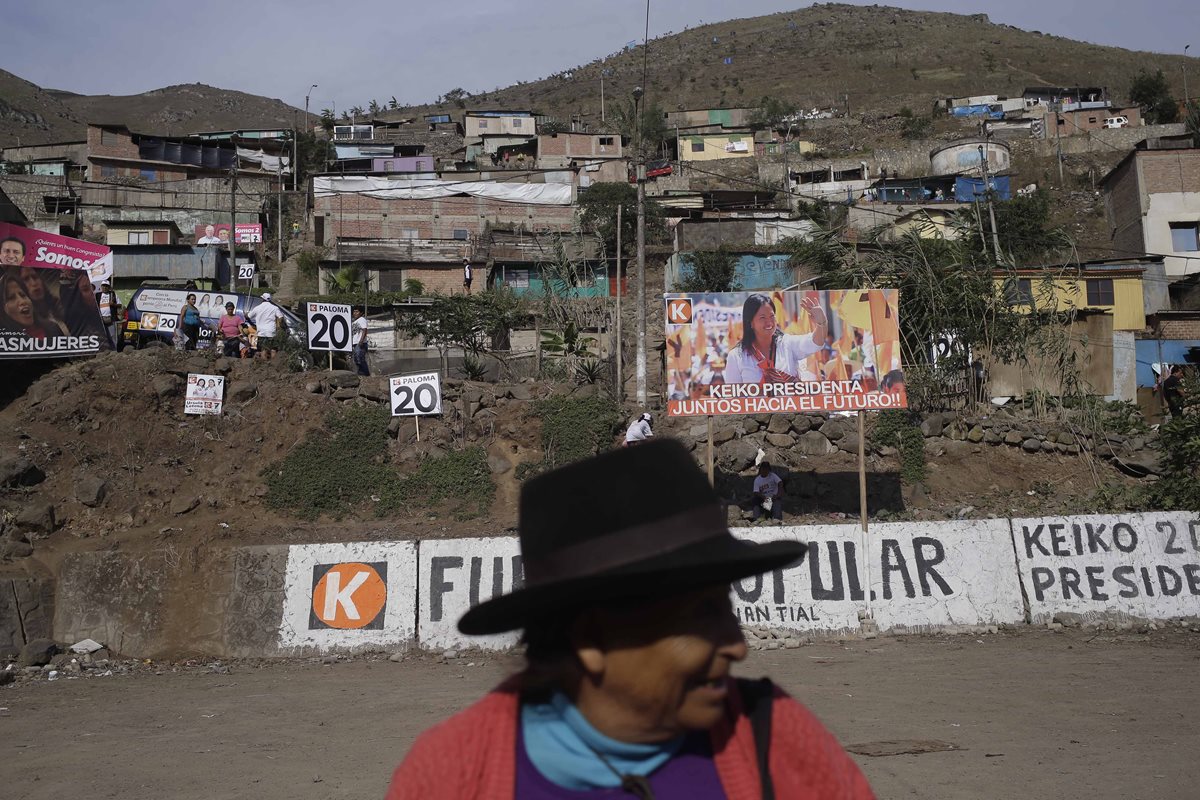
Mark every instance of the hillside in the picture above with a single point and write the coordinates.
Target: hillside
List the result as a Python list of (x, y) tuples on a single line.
[(881, 57), (34, 115)]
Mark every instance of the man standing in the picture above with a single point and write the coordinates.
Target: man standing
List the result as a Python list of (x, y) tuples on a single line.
[(269, 322), (110, 308), (358, 330), (467, 276), (1173, 391), (767, 487), (229, 328), (12, 252)]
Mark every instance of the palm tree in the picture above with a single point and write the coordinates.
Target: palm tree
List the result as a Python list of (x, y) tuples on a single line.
[(392, 104)]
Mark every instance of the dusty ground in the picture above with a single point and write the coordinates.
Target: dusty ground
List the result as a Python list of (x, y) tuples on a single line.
[(1067, 715)]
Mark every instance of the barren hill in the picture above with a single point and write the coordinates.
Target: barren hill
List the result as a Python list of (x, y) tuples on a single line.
[(880, 57), (33, 115)]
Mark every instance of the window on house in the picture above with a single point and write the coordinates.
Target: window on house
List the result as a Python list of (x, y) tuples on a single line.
[(462, 233), (1100, 291), (517, 122), (1092, 120), (109, 137), (482, 124), (139, 237), (606, 141), (1020, 292), (149, 174), (1185, 237), (697, 145), (408, 233), (108, 171)]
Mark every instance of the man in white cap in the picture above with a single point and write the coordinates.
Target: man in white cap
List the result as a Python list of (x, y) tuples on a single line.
[(268, 319), (639, 431)]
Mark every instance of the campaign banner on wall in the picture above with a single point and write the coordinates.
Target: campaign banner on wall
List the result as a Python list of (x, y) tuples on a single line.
[(1143, 565), (455, 575), (772, 352), (47, 299), (350, 596), (205, 394), (40, 249), (921, 575), (218, 233)]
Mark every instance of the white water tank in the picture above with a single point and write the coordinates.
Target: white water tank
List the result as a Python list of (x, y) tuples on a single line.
[(964, 157)]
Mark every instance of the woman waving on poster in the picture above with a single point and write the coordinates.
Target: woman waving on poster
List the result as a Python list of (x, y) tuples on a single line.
[(766, 354)]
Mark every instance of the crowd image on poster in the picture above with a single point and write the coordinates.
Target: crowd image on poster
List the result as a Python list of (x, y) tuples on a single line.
[(731, 353), (48, 287)]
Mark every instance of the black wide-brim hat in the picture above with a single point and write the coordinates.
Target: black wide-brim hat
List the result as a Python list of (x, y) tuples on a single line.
[(639, 522)]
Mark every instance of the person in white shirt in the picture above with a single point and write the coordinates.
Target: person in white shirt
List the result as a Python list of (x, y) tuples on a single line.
[(767, 488), (358, 335), (268, 320), (209, 237), (467, 276), (767, 355), (639, 431)]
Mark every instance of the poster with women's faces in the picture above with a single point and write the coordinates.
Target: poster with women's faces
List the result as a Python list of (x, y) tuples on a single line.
[(771, 352), (47, 298), (205, 394)]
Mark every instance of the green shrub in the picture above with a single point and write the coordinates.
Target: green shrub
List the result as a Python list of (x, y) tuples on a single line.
[(899, 429), (573, 428), (334, 468), (462, 476)]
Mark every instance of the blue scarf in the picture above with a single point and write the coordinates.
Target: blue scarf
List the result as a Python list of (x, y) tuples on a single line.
[(562, 744)]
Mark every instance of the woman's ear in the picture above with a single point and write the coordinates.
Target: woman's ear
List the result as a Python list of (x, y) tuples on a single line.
[(588, 645)]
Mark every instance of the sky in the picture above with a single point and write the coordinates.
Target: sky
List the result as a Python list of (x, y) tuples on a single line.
[(382, 48)]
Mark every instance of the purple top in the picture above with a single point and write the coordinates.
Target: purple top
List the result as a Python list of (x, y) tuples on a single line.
[(689, 775)]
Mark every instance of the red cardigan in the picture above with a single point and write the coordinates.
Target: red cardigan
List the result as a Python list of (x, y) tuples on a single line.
[(472, 755)]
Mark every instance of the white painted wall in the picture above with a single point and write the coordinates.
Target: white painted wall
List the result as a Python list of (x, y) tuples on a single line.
[(1163, 209), (1144, 565), (454, 575)]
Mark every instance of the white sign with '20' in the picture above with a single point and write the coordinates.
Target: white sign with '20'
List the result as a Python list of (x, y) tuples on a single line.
[(245, 272), (414, 395), (329, 327)]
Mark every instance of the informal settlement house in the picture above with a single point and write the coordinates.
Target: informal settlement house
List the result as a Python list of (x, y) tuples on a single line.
[(1152, 199)]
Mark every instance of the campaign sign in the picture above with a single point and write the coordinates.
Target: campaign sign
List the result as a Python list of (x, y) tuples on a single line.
[(205, 394), (732, 353), (329, 327), (416, 395)]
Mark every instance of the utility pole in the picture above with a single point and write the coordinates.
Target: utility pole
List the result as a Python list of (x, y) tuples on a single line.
[(1057, 109), (987, 187), (642, 391), (620, 287), (279, 213), (233, 221), (602, 97), (1187, 100)]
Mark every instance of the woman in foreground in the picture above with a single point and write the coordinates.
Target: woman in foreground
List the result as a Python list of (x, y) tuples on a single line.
[(631, 643)]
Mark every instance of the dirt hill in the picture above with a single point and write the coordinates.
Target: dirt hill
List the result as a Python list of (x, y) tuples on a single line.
[(98, 454), (33, 115), (881, 57)]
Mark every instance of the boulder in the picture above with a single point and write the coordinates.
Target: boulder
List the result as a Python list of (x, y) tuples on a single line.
[(932, 426), (837, 428), (37, 517), (1031, 445), (343, 379), (519, 391), (738, 455), (183, 504), (166, 386), (1140, 465), (19, 471), (975, 435), (802, 424), (1014, 438), (720, 435), (813, 443), (779, 440), (991, 437), (348, 393), (14, 547), (222, 366), (373, 390), (498, 464), (314, 387), (778, 424), (393, 427), (91, 490), (241, 391), (37, 653)]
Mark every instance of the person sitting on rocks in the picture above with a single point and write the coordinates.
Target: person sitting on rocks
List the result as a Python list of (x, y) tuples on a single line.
[(768, 488)]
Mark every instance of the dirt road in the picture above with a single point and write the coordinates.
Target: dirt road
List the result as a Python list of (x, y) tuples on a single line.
[(1057, 715)]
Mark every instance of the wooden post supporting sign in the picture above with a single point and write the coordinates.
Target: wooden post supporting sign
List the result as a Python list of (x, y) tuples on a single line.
[(710, 451)]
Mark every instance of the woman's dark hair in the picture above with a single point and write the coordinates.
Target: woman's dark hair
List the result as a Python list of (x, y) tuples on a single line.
[(753, 303), (548, 654), (190, 298)]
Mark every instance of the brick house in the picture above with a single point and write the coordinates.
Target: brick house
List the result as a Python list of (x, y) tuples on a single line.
[(600, 157), (1152, 200)]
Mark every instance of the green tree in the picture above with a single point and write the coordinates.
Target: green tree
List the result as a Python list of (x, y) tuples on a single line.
[(477, 323), (1179, 442), (654, 131), (327, 121), (711, 271), (1151, 91), (1026, 236), (598, 213), (771, 112), (1192, 121), (913, 126)]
